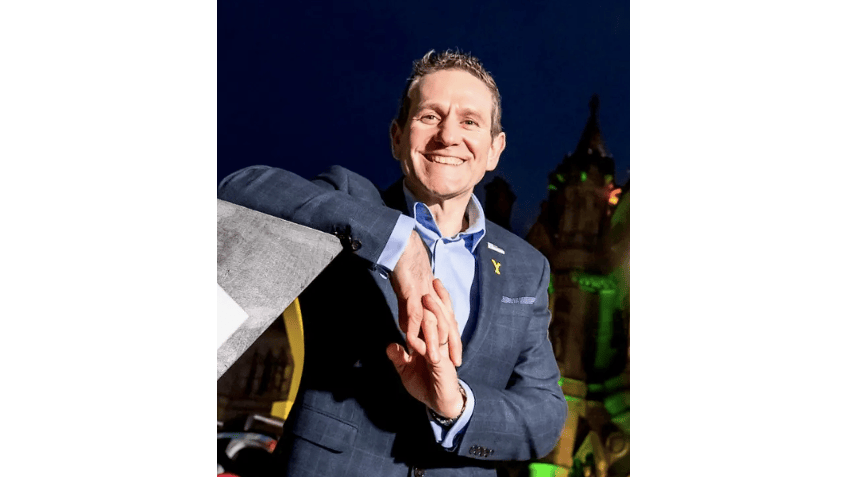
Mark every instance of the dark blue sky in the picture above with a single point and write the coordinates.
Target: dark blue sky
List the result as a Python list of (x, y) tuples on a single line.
[(304, 86)]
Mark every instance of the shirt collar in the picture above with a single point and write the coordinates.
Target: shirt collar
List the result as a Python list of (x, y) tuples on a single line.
[(474, 212)]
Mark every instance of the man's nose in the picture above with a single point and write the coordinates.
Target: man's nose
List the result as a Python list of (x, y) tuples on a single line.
[(449, 133)]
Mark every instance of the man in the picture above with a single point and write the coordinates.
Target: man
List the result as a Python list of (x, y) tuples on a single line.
[(477, 380)]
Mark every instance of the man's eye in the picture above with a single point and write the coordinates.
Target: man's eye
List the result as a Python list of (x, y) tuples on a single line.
[(429, 119), (470, 122)]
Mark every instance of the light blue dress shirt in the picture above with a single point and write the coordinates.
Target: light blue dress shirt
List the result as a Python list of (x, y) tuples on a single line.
[(454, 262)]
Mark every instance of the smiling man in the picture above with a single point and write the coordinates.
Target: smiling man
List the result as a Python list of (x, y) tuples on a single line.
[(450, 139), (426, 339)]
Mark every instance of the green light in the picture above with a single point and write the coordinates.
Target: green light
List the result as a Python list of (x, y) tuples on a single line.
[(551, 187), (607, 179), (583, 176), (604, 352), (551, 285), (561, 381), (543, 469), (577, 467), (560, 178), (623, 421), (593, 283), (617, 403)]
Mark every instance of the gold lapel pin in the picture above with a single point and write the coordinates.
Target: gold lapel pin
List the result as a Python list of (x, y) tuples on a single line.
[(497, 266)]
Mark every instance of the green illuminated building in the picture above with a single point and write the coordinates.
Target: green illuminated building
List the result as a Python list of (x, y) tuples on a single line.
[(583, 229)]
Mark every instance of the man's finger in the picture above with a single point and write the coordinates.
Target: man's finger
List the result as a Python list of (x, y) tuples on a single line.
[(435, 307), (454, 338), (442, 292), (444, 303), (416, 344), (430, 330), (448, 331), (455, 348), (414, 314), (398, 356)]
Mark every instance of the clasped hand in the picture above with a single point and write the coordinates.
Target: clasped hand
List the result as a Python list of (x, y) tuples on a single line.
[(413, 281), (428, 371)]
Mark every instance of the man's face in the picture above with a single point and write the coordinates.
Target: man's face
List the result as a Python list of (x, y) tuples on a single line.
[(446, 146)]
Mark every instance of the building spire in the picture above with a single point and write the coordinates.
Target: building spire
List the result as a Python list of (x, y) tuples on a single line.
[(593, 106), (591, 142)]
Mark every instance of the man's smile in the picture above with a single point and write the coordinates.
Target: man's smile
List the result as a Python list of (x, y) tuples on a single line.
[(447, 160)]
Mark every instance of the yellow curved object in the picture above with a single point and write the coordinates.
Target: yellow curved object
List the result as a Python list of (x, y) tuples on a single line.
[(293, 320)]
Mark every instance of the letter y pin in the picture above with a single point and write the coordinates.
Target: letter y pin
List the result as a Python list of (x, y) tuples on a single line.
[(497, 266)]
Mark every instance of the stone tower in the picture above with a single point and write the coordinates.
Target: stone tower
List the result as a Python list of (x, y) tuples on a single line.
[(572, 232), (588, 327)]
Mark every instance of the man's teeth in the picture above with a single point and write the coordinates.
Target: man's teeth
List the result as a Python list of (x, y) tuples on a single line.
[(453, 161)]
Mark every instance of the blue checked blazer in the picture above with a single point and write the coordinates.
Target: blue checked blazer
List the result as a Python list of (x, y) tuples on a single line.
[(352, 416)]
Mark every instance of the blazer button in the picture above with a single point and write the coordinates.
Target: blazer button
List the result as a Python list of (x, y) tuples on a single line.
[(418, 472), (355, 245)]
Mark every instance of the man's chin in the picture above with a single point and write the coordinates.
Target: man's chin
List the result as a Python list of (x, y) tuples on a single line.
[(444, 194), (435, 190)]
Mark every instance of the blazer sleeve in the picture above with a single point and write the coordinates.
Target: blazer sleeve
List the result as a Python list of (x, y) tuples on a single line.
[(523, 421), (338, 202)]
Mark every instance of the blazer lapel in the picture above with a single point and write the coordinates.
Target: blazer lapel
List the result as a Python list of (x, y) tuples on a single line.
[(491, 288)]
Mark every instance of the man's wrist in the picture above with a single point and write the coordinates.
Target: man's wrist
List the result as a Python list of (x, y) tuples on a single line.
[(449, 421)]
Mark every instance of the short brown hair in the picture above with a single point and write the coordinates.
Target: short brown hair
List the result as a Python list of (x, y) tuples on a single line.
[(450, 60)]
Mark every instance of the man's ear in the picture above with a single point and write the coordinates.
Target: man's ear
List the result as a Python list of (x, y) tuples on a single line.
[(498, 145), (394, 134)]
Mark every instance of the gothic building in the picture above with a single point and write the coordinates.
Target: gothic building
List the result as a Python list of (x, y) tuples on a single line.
[(583, 230)]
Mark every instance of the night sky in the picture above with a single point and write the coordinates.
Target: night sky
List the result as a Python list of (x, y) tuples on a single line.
[(305, 86)]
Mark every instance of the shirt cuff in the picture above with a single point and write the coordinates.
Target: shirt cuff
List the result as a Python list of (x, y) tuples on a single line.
[(397, 243), (449, 438)]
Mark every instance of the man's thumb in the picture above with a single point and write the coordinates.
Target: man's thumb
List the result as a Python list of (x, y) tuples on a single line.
[(398, 356)]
